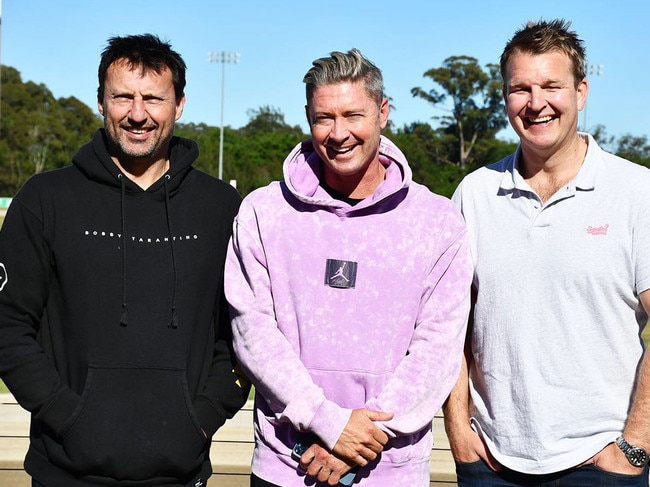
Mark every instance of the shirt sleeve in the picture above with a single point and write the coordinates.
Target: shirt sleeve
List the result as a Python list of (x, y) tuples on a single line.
[(641, 249), (265, 354), (422, 381), (227, 388), (26, 265)]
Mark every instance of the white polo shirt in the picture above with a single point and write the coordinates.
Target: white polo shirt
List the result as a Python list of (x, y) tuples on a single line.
[(557, 322)]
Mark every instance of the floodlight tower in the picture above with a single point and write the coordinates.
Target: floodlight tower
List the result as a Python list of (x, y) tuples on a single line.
[(222, 57), (592, 70)]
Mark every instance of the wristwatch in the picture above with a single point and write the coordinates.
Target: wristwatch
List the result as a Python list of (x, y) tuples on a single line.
[(636, 455)]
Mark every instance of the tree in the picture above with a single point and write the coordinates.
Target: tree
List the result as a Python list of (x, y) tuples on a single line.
[(427, 152), (600, 135), (268, 119), (253, 154), (208, 140), (260, 147), (634, 148), (477, 104), (631, 147), (38, 131)]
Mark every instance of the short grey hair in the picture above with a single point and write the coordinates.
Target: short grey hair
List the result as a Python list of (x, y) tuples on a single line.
[(342, 67)]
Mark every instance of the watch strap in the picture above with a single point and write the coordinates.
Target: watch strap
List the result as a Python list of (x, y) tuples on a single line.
[(636, 455)]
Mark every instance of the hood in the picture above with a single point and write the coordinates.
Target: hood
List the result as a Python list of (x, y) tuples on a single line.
[(94, 160), (302, 172)]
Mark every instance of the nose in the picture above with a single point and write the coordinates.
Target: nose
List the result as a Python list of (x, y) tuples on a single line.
[(138, 112), (537, 99), (339, 130)]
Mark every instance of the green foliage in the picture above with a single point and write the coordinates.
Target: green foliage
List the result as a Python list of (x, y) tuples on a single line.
[(634, 148), (631, 147), (252, 155), (257, 160), (488, 151), (268, 119), (37, 131), (477, 110), (428, 152), (263, 144)]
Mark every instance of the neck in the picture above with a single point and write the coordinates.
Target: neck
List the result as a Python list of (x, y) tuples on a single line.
[(357, 186), (144, 175), (566, 159), (547, 173)]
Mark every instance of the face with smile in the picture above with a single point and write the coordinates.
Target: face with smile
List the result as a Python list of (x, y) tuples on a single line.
[(346, 123), (139, 111), (543, 101)]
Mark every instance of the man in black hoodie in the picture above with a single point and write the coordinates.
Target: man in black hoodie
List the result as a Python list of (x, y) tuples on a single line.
[(114, 332)]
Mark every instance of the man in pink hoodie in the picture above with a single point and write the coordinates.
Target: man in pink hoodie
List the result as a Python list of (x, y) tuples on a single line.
[(349, 291)]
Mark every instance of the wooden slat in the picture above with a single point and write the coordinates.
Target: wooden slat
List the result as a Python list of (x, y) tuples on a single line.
[(232, 449)]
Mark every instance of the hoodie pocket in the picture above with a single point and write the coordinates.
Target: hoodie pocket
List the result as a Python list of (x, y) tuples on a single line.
[(135, 424), (413, 448)]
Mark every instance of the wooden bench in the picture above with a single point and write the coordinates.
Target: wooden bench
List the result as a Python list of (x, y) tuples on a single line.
[(232, 449)]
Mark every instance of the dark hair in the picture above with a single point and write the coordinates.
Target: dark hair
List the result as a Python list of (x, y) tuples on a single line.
[(547, 36), (145, 51), (340, 67)]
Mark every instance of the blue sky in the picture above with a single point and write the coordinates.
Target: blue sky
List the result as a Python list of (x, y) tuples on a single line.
[(58, 43)]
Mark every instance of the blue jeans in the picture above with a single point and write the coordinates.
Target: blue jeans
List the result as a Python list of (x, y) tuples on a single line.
[(478, 474)]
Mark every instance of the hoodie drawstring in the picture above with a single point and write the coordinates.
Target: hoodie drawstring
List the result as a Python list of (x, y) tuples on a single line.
[(124, 317), (174, 319)]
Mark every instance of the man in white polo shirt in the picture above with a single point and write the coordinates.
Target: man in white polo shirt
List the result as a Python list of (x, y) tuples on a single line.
[(554, 390)]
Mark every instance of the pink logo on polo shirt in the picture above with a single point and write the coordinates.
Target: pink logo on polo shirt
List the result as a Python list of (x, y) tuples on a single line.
[(602, 230)]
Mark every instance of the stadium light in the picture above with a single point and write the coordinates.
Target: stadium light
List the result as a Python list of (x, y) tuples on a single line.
[(592, 70), (222, 57)]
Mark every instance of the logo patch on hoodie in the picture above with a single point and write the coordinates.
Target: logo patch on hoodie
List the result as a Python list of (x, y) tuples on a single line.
[(4, 278), (340, 273)]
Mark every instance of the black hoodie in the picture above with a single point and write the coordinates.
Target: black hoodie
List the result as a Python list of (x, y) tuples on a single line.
[(114, 331)]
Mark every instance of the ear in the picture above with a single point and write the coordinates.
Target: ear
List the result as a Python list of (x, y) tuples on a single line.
[(307, 115), (504, 94), (100, 107), (180, 104), (582, 92), (384, 109)]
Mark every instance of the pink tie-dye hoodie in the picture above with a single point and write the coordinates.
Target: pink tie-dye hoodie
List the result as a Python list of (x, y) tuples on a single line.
[(337, 307)]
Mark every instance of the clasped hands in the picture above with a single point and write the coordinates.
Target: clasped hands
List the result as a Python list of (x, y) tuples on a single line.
[(360, 442)]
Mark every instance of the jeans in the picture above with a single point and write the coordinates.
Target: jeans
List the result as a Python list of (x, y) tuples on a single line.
[(258, 482), (478, 474)]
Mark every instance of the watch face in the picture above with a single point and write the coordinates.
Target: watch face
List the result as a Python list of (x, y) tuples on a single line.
[(638, 457)]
